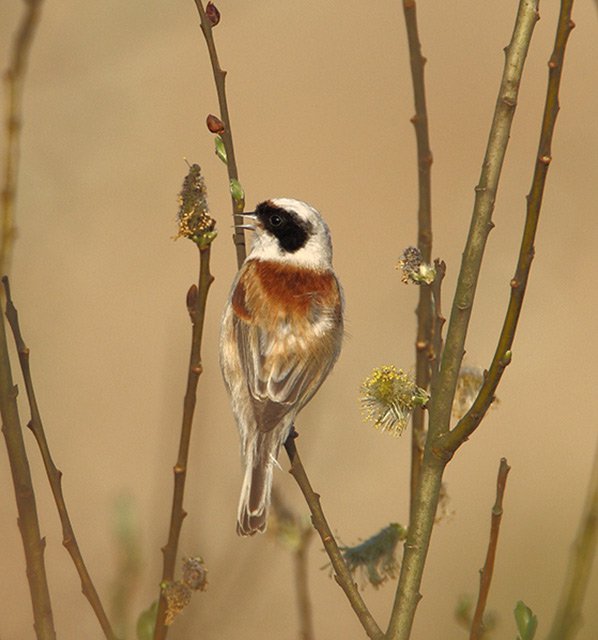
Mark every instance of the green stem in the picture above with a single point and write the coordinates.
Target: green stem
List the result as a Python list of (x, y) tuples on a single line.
[(481, 220), (567, 619), (502, 357)]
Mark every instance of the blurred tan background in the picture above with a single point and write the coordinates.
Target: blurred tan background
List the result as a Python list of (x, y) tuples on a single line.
[(320, 98)]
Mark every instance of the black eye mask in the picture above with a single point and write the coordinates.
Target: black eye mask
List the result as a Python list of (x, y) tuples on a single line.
[(287, 227)]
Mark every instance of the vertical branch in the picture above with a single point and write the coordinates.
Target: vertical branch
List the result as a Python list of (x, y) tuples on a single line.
[(423, 343), (69, 540), (227, 136), (196, 305), (477, 625), (28, 522), (567, 618), (14, 78), (300, 556), (435, 457)]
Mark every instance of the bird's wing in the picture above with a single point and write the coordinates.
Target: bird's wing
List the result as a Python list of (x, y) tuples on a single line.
[(285, 359)]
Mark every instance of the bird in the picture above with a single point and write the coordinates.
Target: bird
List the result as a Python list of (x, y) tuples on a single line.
[(281, 334)]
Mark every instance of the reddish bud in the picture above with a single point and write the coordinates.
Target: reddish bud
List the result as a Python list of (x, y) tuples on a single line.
[(215, 125), (192, 297), (212, 14)]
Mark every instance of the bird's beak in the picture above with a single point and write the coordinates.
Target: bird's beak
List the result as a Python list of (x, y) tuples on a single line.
[(250, 215)]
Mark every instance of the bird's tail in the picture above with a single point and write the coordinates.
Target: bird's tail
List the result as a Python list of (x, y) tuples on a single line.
[(260, 458)]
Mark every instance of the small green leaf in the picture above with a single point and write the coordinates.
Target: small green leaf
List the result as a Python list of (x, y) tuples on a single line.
[(220, 150), (146, 623), (526, 621), (205, 239), (237, 191)]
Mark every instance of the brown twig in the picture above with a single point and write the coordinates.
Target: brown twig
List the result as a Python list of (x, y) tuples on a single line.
[(14, 78), (227, 136), (502, 357), (54, 474), (28, 521), (423, 342), (477, 624), (567, 619), (196, 305), (342, 575), (435, 456)]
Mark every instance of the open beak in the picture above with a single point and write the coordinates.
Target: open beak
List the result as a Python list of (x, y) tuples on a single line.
[(250, 215)]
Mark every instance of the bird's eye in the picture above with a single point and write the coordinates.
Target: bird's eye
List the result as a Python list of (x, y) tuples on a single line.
[(275, 220)]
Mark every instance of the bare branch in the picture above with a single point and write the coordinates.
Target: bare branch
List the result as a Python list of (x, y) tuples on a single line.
[(28, 521), (14, 78), (342, 575), (502, 357), (477, 625), (435, 457), (69, 540), (196, 305), (423, 342), (227, 136)]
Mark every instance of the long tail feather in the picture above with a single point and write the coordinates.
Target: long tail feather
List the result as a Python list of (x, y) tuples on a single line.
[(260, 458)]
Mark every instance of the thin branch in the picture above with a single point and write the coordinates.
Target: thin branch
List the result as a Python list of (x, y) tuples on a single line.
[(300, 557), (568, 618), (477, 625), (342, 575), (227, 136), (28, 521), (423, 342), (54, 475), (435, 458), (470, 421), (196, 305), (285, 520), (14, 78)]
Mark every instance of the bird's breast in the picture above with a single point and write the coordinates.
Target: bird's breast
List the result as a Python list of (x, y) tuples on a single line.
[(270, 293)]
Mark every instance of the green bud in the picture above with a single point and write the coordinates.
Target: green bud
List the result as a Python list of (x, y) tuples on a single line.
[(526, 621), (146, 623), (220, 150), (237, 191), (205, 239)]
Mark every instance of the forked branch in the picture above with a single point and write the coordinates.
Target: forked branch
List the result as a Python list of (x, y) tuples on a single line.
[(69, 540), (470, 421), (33, 544), (435, 457)]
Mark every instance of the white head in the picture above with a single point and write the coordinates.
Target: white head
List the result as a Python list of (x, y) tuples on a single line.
[(290, 231)]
